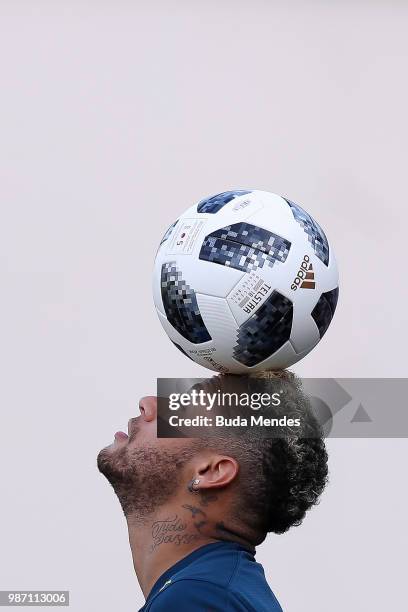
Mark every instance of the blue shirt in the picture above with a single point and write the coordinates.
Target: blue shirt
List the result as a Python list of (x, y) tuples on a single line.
[(218, 577)]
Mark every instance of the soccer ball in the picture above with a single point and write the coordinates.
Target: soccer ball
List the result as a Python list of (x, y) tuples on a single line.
[(245, 281)]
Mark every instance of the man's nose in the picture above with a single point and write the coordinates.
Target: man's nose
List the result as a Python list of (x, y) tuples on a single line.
[(148, 407)]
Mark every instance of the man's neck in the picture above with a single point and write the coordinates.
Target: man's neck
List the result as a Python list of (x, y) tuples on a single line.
[(159, 541), (186, 523)]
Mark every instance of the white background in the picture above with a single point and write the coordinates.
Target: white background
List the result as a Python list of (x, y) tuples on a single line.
[(114, 117)]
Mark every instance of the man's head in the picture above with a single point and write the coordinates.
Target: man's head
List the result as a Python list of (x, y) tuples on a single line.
[(260, 484)]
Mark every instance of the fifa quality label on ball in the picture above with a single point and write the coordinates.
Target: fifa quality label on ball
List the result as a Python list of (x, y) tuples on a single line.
[(247, 295), (246, 206), (186, 236), (208, 354), (241, 204)]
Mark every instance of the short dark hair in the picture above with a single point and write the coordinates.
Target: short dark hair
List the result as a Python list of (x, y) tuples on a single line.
[(280, 478)]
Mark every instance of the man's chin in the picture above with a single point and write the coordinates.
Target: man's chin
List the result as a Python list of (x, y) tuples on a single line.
[(107, 460), (104, 457)]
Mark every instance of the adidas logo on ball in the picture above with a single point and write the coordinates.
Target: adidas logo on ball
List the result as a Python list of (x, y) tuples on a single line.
[(304, 279)]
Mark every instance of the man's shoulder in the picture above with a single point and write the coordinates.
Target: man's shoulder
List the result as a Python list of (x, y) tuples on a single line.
[(203, 596), (194, 595), (226, 579), (219, 565)]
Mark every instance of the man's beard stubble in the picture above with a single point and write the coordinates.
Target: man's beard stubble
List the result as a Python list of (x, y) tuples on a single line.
[(143, 478)]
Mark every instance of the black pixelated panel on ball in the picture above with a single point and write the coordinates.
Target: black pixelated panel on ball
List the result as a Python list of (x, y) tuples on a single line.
[(265, 331), (315, 234), (324, 310), (180, 305), (244, 247)]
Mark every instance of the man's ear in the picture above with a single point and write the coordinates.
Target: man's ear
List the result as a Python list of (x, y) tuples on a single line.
[(217, 471)]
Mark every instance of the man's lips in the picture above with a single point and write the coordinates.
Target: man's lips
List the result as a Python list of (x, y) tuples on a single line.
[(121, 435)]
